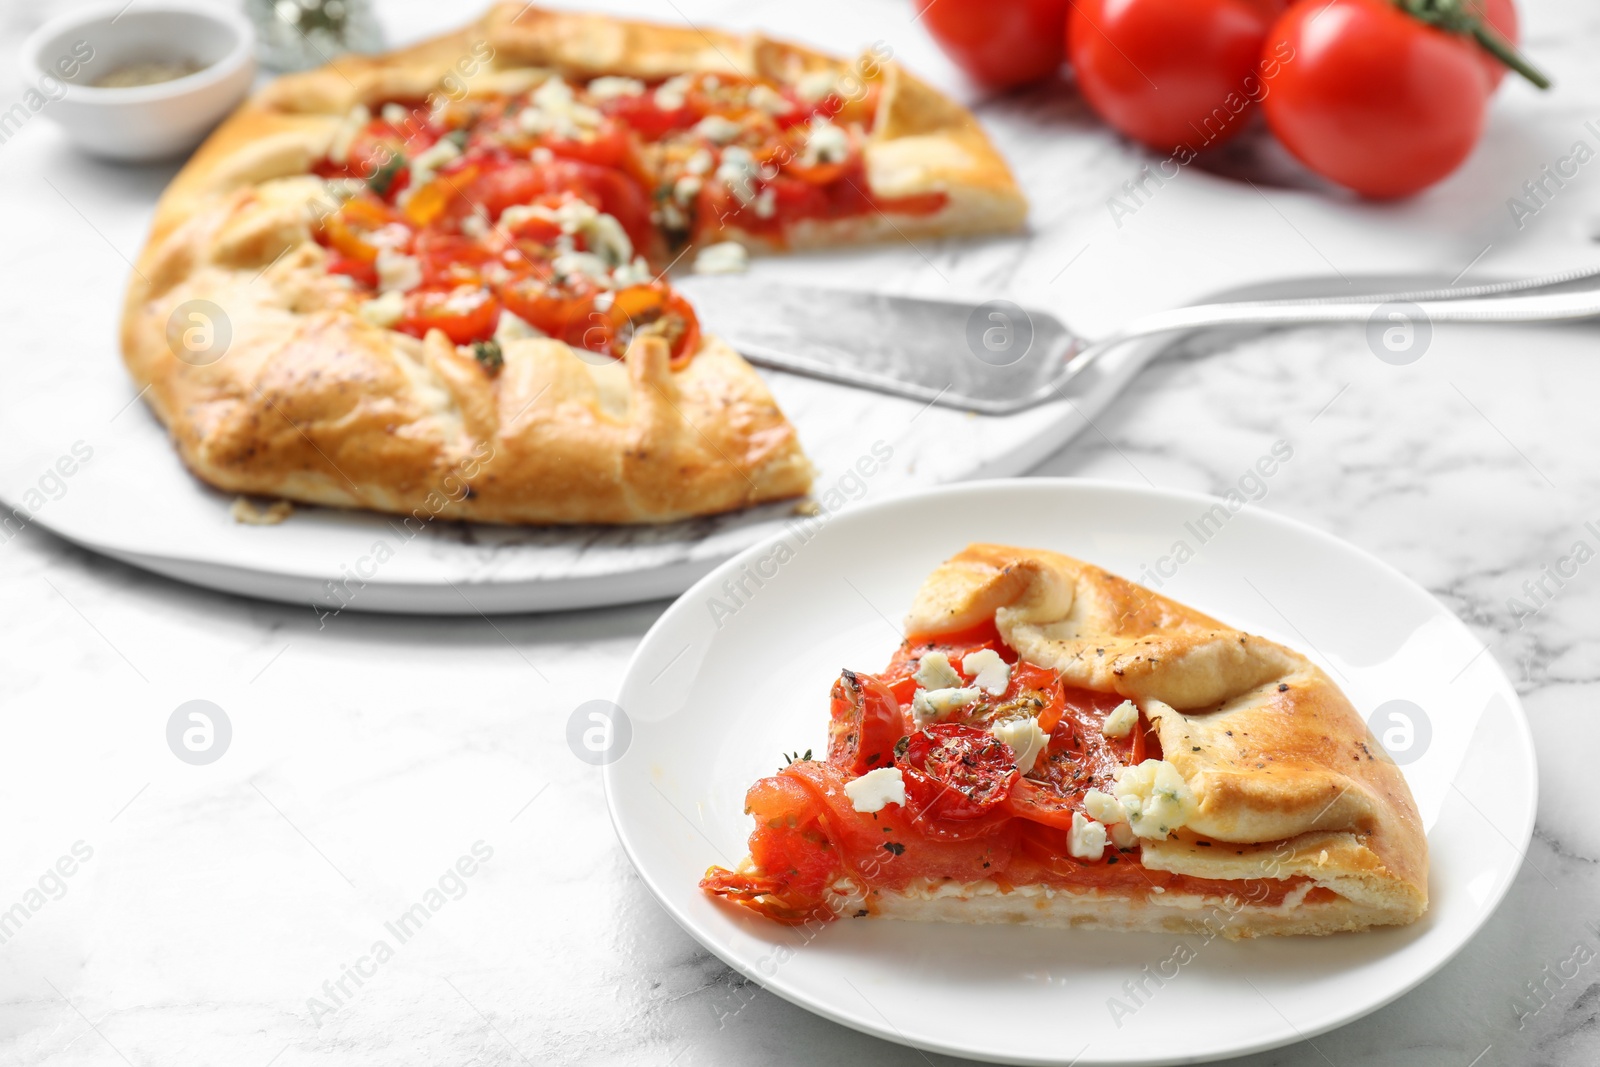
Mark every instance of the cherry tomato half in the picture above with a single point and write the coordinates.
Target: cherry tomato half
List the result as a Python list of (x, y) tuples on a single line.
[(998, 43), (465, 313), (956, 772), (1375, 99), (866, 723), (1170, 73)]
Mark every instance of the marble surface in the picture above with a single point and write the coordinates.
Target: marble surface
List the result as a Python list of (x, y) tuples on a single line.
[(220, 906)]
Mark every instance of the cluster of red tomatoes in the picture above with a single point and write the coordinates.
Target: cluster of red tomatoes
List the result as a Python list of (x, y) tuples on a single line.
[(1384, 97)]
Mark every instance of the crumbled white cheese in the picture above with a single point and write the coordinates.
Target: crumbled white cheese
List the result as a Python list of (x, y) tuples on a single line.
[(673, 93), (1156, 798), (730, 257), (608, 239), (426, 164), (987, 670), (1025, 739), (517, 214), (686, 188), (738, 172), (1087, 838), (814, 86), (391, 236), (636, 273), (716, 129), (826, 143), (583, 265), (875, 789), (1122, 835), (475, 224), (398, 273), (602, 233), (935, 672), (1123, 718), (513, 328), (354, 123), (554, 109), (434, 156), (1104, 807), (553, 93), (465, 298), (384, 310), (669, 216), (930, 706), (699, 162), (768, 99), (394, 114), (609, 88), (766, 203)]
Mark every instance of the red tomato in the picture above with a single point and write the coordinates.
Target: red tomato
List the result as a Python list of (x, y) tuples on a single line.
[(1374, 99), (563, 313), (867, 721), (1031, 802), (1170, 73), (363, 271), (640, 113), (999, 43), (465, 314), (650, 305), (504, 182), (449, 260), (956, 772)]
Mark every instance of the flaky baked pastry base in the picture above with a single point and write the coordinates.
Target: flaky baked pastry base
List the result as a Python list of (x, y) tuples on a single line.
[(312, 404), (1092, 909)]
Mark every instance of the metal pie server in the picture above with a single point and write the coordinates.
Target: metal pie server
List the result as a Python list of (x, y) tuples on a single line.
[(996, 358)]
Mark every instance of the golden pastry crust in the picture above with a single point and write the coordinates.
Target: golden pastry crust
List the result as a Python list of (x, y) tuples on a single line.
[(313, 404), (921, 141), (1288, 779)]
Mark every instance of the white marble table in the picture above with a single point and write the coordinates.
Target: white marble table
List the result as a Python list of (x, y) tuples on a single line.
[(220, 905)]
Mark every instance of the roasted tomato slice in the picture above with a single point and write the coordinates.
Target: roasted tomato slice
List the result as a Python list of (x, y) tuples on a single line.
[(563, 312), (654, 308), (957, 646), (642, 114), (613, 145), (867, 721), (449, 260), (796, 859), (1042, 805), (957, 772), (465, 313), (364, 272), (498, 184)]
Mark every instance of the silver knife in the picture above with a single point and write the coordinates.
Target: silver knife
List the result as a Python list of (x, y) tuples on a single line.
[(996, 358)]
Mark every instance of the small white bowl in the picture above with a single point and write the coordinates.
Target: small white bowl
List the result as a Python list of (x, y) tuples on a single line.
[(63, 58)]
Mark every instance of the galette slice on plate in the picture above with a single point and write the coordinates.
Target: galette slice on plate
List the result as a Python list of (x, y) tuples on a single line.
[(1054, 745)]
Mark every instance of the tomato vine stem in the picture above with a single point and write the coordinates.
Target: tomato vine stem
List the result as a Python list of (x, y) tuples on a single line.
[(1464, 17)]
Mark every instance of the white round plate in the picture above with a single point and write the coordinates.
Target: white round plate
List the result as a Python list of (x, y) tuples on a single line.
[(66, 394), (737, 672)]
